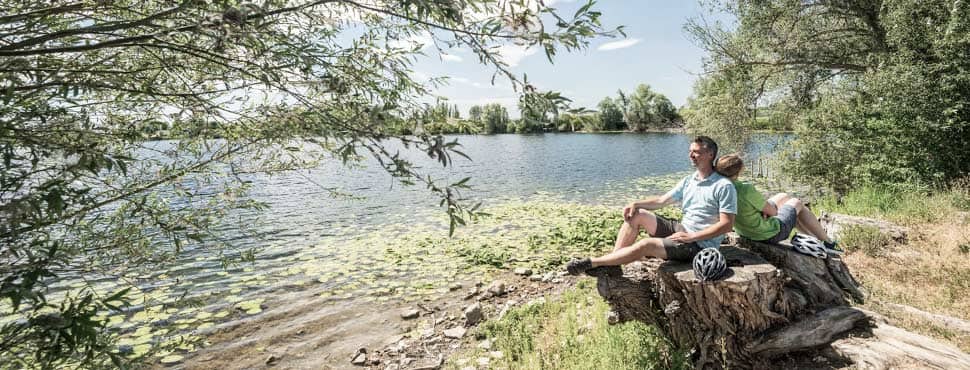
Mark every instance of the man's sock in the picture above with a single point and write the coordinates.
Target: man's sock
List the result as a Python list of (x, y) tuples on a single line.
[(576, 267)]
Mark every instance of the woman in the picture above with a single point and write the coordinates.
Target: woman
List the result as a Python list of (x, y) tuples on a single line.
[(763, 220)]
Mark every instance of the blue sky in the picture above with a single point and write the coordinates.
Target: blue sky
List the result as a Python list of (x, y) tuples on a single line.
[(656, 52)]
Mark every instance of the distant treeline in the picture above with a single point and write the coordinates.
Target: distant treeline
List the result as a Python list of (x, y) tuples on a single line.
[(642, 110)]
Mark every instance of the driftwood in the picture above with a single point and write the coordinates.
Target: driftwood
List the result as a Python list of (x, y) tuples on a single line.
[(772, 301)]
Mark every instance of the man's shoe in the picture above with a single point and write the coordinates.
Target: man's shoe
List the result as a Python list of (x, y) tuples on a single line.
[(576, 267)]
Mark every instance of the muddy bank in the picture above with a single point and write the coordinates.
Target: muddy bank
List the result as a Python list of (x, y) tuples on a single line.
[(300, 330)]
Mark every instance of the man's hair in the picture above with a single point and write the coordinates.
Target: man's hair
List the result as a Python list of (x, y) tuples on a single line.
[(729, 165), (707, 143)]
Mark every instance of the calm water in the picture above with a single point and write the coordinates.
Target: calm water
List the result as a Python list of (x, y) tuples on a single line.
[(304, 221)]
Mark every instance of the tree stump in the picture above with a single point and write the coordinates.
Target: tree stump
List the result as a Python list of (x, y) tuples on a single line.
[(772, 301)]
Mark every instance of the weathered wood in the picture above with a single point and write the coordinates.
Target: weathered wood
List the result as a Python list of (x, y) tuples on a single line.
[(745, 318), (884, 346), (835, 223), (812, 332), (948, 322)]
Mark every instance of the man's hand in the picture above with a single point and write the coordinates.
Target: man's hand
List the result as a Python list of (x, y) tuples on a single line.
[(682, 237), (629, 211)]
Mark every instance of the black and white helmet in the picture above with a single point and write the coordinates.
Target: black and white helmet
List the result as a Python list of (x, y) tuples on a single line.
[(809, 245), (709, 264)]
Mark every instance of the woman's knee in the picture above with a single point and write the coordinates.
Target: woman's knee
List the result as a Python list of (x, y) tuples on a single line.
[(795, 203), (780, 198)]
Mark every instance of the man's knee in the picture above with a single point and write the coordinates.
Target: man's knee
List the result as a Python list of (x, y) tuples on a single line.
[(650, 247), (644, 219)]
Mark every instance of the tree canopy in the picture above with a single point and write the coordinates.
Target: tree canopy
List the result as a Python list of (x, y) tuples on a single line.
[(243, 87), (877, 90)]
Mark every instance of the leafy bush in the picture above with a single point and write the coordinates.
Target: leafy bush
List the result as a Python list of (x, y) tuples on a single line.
[(867, 239)]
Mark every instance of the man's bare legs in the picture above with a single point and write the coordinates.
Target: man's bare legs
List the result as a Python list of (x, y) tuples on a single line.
[(650, 247), (642, 220)]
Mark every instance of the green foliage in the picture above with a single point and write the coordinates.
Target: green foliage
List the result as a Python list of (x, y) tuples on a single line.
[(588, 234), (867, 239), (283, 85), (647, 109), (878, 92), (898, 204), (611, 115), (571, 332)]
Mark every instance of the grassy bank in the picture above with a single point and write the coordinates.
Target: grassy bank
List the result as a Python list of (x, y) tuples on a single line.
[(569, 332), (930, 272)]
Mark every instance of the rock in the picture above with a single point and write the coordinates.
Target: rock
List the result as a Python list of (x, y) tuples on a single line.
[(471, 293), (455, 333), (535, 278), (454, 287), (473, 314), (496, 354), (483, 361), (557, 281), (485, 344), (427, 333), (271, 359), (360, 359), (548, 276), (410, 313), (497, 288), (523, 271), (301, 332), (392, 367), (406, 361)]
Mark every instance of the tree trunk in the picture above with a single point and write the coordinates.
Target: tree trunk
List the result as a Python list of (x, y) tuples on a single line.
[(772, 301)]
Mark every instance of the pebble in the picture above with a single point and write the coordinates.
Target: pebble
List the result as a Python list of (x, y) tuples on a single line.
[(522, 271), (455, 333), (485, 344), (535, 278), (548, 276), (497, 288), (473, 314), (360, 359), (410, 313), (454, 287), (271, 359)]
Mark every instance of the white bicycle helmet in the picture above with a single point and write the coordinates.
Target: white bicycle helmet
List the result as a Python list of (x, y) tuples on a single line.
[(709, 264), (809, 245)]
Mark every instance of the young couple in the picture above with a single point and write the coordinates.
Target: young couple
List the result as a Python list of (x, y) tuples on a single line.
[(713, 201)]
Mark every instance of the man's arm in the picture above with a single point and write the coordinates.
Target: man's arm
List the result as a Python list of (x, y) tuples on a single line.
[(723, 226), (649, 204)]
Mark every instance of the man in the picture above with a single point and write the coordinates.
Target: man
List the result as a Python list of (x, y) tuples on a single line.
[(708, 201)]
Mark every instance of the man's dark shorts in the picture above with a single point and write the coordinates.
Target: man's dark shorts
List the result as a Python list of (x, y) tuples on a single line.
[(787, 217), (675, 251)]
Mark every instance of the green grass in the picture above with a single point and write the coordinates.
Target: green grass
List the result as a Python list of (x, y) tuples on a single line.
[(570, 332), (866, 239), (906, 206)]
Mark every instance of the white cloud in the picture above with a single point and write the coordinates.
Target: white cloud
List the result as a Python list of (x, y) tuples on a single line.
[(461, 80), (622, 44), (451, 58), (513, 54)]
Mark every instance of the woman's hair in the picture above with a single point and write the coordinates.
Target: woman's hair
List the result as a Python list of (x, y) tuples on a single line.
[(729, 165)]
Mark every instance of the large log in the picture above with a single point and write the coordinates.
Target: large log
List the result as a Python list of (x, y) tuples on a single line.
[(772, 301)]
